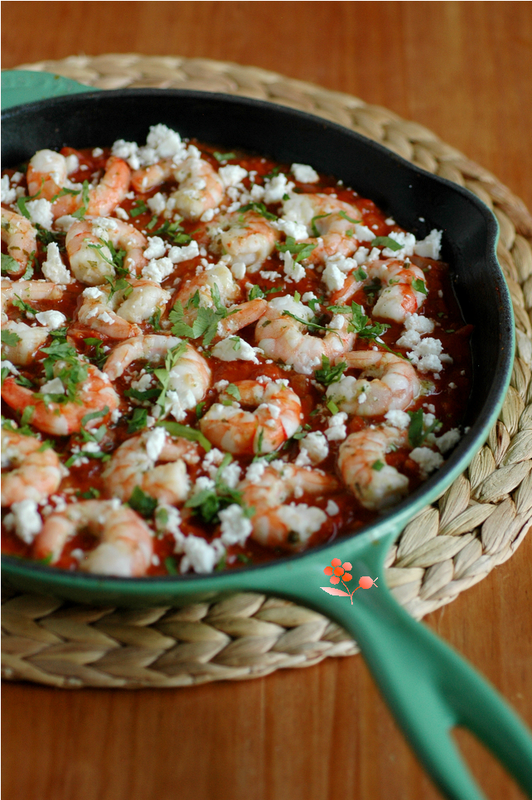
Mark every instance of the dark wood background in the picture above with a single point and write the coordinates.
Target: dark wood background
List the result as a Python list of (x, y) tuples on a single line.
[(463, 69)]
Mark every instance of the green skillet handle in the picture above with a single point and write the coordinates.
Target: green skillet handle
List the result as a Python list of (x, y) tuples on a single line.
[(26, 86), (430, 689)]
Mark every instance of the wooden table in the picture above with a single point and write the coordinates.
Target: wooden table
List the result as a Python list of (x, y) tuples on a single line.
[(465, 71)]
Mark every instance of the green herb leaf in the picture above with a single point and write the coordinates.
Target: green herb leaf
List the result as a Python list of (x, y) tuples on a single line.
[(255, 292), (155, 320), (10, 338), (419, 286), (386, 241), (82, 210), (193, 435), (9, 264), (171, 565), (333, 408), (349, 219), (378, 465), (144, 504), (98, 357), (221, 157), (300, 250), (417, 433), (328, 374), (139, 207), (90, 494), (138, 420), (260, 208), (19, 303)]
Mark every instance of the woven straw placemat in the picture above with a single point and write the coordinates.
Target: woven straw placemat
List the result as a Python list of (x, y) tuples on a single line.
[(478, 523)]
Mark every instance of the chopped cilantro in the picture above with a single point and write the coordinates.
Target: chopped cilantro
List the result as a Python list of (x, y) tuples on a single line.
[(94, 415), (386, 241), (144, 504), (329, 374), (10, 338), (9, 264), (255, 292), (349, 219), (171, 230), (138, 420), (315, 231), (90, 494), (233, 391), (378, 465), (19, 303), (98, 357), (139, 207), (300, 251), (82, 210), (417, 433), (27, 415), (419, 286), (244, 559), (176, 429), (171, 565), (221, 157), (333, 408), (46, 237), (360, 275), (260, 208), (155, 320)]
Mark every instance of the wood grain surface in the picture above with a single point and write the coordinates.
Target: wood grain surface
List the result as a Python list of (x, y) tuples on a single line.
[(465, 71)]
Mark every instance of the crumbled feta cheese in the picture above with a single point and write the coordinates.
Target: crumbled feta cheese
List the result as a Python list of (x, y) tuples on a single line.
[(255, 471), (9, 195), (168, 518), (52, 319), (336, 430), (40, 212), (220, 386), (430, 246), (157, 203), (291, 228), (364, 234), (302, 519), (5, 364), (334, 278), (235, 526), (275, 188), (185, 253), (407, 242), (28, 522), (235, 349), (304, 174), (200, 555), (397, 419), (232, 174), (427, 459), (230, 474), (315, 445), (54, 386), (269, 275), (293, 271), (53, 268), (122, 214), (155, 442), (72, 163), (65, 222), (448, 440), (332, 508), (427, 356), (156, 248), (239, 270), (158, 269)]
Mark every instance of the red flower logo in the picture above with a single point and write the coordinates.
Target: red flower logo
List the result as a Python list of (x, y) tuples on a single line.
[(338, 571)]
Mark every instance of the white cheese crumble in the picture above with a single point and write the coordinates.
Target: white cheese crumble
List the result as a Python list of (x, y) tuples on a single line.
[(430, 246), (407, 242), (336, 430), (156, 248), (54, 386), (40, 212), (185, 253), (302, 519), (235, 349), (28, 522), (275, 188), (304, 173), (52, 319), (255, 471), (315, 445), (157, 269), (200, 555), (53, 268), (334, 278), (157, 203), (155, 442), (332, 508), (232, 174), (9, 195), (448, 440), (427, 459), (235, 526), (292, 270)]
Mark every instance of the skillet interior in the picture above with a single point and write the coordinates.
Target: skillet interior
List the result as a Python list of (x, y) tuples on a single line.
[(417, 200)]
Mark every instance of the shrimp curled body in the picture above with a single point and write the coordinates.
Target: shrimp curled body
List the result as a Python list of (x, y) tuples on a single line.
[(362, 464), (274, 420), (32, 473), (276, 524), (387, 383), (125, 544)]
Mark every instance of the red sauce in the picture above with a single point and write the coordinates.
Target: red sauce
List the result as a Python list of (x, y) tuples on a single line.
[(85, 480)]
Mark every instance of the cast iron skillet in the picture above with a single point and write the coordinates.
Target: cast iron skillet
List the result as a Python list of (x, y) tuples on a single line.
[(428, 687)]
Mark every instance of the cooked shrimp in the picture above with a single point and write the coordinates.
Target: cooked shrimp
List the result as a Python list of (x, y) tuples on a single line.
[(284, 338), (46, 174), (29, 291), (29, 342), (329, 223), (362, 463), (245, 236), (103, 198), (387, 383), (147, 178), (21, 239), (188, 380), (125, 543), (95, 393), (91, 260), (276, 524), (134, 464), (219, 277), (241, 316), (115, 313), (33, 472), (398, 299), (200, 187), (274, 420)]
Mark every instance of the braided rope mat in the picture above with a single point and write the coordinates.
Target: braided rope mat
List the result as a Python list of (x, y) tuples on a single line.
[(476, 525)]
